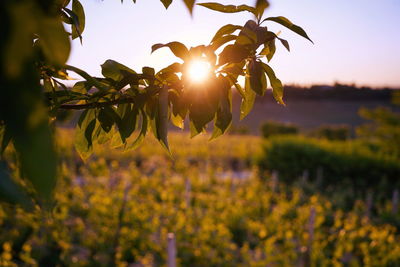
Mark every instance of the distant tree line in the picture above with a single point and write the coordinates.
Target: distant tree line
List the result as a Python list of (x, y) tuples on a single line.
[(337, 91)]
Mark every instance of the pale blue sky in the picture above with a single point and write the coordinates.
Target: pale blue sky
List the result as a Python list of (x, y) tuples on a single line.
[(356, 41)]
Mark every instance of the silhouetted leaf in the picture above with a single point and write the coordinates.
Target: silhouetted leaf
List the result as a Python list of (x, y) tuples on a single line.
[(127, 123), (107, 116), (114, 70), (248, 101), (204, 104), (77, 8), (148, 71), (177, 48), (227, 29), (285, 43), (224, 113), (221, 41), (261, 5), (162, 118), (139, 139), (166, 3), (272, 48), (83, 138), (228, 8), (233, 54), (189, 4), (288, 24), (258, 82), (276, 84)]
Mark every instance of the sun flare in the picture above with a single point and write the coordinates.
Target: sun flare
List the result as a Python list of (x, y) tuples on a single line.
[(199, 70)]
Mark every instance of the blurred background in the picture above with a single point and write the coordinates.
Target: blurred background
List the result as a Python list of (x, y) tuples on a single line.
[(312, 183)]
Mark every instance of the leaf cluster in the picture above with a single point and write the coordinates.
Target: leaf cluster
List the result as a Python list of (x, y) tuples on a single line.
[(123, 105)]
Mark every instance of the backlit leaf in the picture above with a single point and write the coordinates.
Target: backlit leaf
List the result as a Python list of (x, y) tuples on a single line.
[(261, 5), (77, 8), (224, 113), (233, 54), (276, 84), (221, 41), (257, 78), (227, 29), (285, 43), (177, 48), (248, 101), (288, 24), (228, 8), (114, 70)]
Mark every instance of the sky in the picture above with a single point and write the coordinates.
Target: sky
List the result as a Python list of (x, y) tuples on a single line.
[(355, 41)]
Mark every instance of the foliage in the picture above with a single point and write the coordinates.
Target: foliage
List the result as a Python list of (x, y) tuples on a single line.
[(383, 131), (111, 211), (271, 128), (123, 105), (343, 164), (330, 132)]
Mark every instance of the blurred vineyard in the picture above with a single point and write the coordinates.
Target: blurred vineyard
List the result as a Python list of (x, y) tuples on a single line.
[(118, 208)]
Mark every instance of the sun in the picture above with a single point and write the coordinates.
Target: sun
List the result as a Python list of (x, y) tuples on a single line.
[(199, 70)]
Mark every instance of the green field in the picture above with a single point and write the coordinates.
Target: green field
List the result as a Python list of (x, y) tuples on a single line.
[(118, 208)]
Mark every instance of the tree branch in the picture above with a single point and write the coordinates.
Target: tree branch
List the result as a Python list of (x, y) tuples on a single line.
[(98, 104)]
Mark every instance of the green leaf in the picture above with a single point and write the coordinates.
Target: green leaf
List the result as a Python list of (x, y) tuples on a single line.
[(203, 105), (233, 54), (139, 139), (79, 25), (54, 40), (166, 3), (127, 124), (228, 8), (89, 132), (148, 71), (162, 120), (276, 84), (258, 82), (83, 137), (224, 30), (177, 120), (114, 70), (10, 191), (107, 117), (81, 87), (224, 113), (288, 24), (248, 101), (179, 108), (272, 48), (177, 48)]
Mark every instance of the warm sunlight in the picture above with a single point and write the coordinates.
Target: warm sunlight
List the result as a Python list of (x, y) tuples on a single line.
[(199, 70)]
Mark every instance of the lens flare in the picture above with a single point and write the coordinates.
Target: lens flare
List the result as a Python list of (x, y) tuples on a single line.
[(199, 71)]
